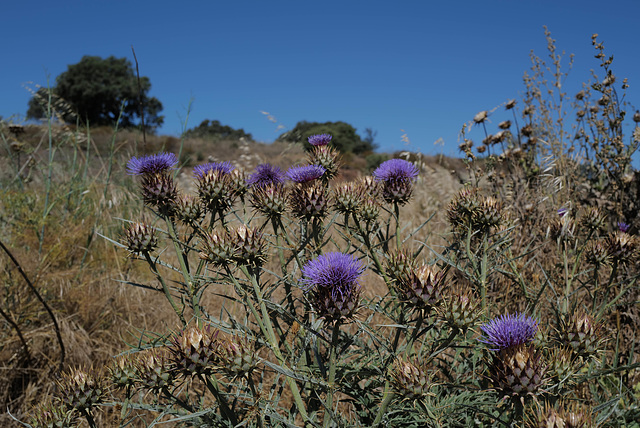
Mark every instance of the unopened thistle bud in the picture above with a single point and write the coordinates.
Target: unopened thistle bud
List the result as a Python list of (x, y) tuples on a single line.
[(597, 253), (488, 214), (369, 186), (463, 208), (347, 198), (397, 177), (238, 183), (215, 186), (460, 310), (123, 371), (140, 238), (196, 351), (237, 356), (331, 283), (270, 199), (81, 390), (369, 210), (410, 379), (562, 365), (154, 369), (399, 266), (309, 200), (189, 210), (217, 249), (423, 287), (581, 333)]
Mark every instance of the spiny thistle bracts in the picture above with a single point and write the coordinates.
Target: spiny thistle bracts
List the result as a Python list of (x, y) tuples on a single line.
[(397, 177), (140, 238), (81, 390), (331, 282)]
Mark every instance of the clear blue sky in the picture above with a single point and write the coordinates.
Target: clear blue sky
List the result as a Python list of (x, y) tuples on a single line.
[(424, 67)]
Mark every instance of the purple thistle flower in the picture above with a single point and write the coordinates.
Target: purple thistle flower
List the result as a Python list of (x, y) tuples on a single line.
[(320, 139), (303, 174), (264, 175), (152, 164), (331, 281), (332, 270), (395, 170), (508, 331), (201, 170), (562, 212), (623, 227)]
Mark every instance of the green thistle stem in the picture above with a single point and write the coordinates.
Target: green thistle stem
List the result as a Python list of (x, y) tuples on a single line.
[(87, 415), (396, 216), (165, 288), (333, 363), (267, 329), (256, 398), (388, 396), (188, 280), (212, 386)]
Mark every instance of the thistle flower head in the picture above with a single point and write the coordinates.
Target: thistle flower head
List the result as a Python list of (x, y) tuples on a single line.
[(152, 164), (320, 139), (123, 371), (397, 177), (264, 175), (224, 167), (395, 169), (410, 378), (270, 199), (189, 209), (140, 238), (154, 369), (518, 371), (332, 281), (195, 350), (305, 174), (326, 157), (159, 191), (509, 331), (309, 201), (53, 415)]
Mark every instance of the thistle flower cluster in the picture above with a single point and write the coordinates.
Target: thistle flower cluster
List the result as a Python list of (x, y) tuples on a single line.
[(331, 283), (397, 177)]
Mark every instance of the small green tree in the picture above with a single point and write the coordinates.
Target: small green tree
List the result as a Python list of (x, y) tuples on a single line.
[(212, 129), (345, 138), (99, 91)]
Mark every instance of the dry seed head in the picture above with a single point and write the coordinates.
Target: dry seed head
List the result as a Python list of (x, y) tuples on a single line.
[(481, 117), (249, 245), (572, 415), (140, 238), (505, 125), (593, 220), (622, 247), (81, 390), (510, 104), (196, 351), (488, 214), (154, 369), (636, 116), (527, 131)]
